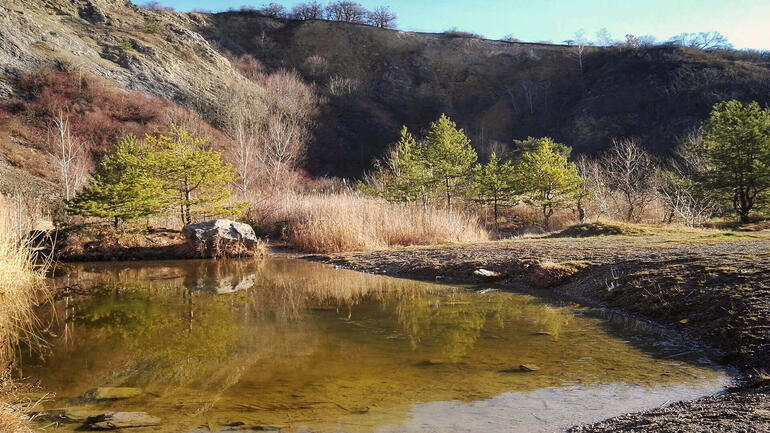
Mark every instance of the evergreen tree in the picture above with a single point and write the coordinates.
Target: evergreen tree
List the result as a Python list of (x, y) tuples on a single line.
[(547, 179), (124, 186), (736, 153), (495, 183), (450, 157), (195, 176), (411, 175)]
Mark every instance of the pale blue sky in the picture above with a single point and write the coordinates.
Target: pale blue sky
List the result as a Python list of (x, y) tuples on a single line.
[(746, 23)]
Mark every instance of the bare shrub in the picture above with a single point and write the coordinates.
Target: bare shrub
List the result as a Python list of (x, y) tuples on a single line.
[(341, 86), (316, 66)]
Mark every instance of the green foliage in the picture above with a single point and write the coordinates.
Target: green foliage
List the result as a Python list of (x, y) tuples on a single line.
[(495, 183), (151, 25), (411, 175), (547, 179), (418, 169), (165, 172), (448, 153), (195, 177), (531, 144), (124, 187), (736, 154)]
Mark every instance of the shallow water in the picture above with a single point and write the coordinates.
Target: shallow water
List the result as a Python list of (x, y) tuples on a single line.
[(299, 346)]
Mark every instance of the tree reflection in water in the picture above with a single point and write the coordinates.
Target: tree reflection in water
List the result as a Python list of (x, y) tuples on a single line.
[(280, 340)]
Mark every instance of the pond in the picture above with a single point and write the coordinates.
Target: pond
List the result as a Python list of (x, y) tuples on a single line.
[(297, 346)]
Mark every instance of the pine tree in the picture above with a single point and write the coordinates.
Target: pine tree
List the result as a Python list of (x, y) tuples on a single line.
[(547, 179), (495, 183), (124, 186), (450, 157), (736, 153), (195, 176)]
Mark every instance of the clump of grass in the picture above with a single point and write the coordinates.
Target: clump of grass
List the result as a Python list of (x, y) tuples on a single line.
[(348, 222), (548, 273), (599, 229), (21, 288)]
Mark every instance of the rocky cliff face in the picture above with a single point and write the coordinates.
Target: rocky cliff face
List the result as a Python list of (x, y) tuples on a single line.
[(377, 80), (150, 51)]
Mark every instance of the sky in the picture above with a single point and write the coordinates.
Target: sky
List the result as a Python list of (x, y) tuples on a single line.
[(745, 23)]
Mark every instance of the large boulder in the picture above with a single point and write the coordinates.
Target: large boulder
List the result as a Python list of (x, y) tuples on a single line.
[(222, 238)]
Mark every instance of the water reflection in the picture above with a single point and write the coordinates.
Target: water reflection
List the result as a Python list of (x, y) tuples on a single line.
[(300, 345)]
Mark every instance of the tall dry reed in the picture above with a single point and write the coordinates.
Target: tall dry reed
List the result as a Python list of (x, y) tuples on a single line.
[(325, 223), (21, 288)]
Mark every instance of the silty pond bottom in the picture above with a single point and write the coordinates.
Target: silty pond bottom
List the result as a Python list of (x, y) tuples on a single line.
[(297, 346)]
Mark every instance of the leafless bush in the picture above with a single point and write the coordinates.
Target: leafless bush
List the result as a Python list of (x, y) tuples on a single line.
[(685, 197), (316, 65), (630, 171), (341, 86)]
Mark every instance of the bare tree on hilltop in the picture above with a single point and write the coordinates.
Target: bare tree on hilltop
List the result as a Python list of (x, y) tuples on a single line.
[(382, 17), (273, 10), (346, 11), (308, 11), (702, 41)]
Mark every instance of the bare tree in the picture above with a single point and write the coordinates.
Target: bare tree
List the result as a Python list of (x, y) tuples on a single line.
[(291, 107), (578, 44), (702, 41), (630, 171), (679, 186), (603, 38), (346, 11), (244, 113), (308, 11), (382, 17), (273, 10), (68, 153)]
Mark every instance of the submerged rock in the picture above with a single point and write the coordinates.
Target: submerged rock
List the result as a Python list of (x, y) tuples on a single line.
[(528, 368), (112, 393), (221, 238), (117, 420)]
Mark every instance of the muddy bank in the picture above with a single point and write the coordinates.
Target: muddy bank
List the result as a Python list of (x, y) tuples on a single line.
[(714, 289), (95, 244)]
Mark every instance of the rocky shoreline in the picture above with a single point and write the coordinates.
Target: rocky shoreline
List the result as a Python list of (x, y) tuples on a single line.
[(710, 289)]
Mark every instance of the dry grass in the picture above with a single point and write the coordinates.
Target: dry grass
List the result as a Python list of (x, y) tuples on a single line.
[(21, 288), (348, 222)]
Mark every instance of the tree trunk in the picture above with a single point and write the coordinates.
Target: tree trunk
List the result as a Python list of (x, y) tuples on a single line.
[(495, 205), (187, 214), (581, 212), (115, 222)]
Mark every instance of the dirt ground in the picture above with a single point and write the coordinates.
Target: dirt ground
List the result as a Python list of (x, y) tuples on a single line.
[(713, 287)]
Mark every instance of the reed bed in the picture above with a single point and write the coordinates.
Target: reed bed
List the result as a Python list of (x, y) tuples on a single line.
[(350, 222), (21, 288)]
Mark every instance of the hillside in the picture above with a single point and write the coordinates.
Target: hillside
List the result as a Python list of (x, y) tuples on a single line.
[(498, 91), (373, 81)]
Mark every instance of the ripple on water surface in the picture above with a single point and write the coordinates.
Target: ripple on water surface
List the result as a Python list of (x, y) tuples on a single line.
[(298, 346)]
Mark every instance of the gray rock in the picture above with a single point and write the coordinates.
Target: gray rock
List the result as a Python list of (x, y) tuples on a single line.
[(486, 273), (221, 238), (117, 420)]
